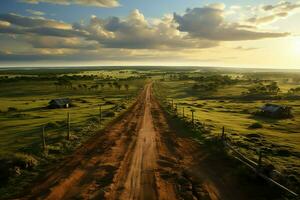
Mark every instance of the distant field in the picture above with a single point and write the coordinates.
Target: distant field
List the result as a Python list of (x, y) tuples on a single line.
[(280, 138), (23, 105), (23, 112)]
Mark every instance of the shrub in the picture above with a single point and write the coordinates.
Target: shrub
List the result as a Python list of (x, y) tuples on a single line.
[(108, 114), (109, 103), (20, 115), (123, 106), (52, 125), (83, 101), (94, 119), (24, 161), (283, 152), (255, 125), (10, 164), (12, 109)]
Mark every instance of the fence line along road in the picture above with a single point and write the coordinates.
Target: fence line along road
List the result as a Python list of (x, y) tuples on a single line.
[(255, 167)]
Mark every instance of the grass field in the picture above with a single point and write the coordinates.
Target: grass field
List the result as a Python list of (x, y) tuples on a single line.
[(23, 108), (23, 113), (218, 99), (279, 138)]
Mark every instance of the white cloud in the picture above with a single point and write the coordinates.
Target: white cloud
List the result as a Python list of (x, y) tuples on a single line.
[(35, 12), (135, 32), (4, 24), (96, 3), (266, 14), (33, 21), (131, 37), (209, 23)]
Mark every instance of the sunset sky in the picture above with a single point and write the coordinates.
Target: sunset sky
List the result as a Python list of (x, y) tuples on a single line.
[(231, 33)]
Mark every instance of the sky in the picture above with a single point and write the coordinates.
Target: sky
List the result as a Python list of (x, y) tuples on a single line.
[(228, 33)]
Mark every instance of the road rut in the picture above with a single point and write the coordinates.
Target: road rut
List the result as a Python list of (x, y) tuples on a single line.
[(137, 157)]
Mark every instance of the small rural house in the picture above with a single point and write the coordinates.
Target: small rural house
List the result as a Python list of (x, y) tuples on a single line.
[(276, 111), (59, 103)]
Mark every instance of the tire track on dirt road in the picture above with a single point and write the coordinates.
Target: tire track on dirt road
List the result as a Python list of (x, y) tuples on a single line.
[(137, 157), (140, 181)]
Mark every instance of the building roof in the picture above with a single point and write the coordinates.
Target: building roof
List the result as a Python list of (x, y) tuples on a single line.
[(272, 108), (60, 102)]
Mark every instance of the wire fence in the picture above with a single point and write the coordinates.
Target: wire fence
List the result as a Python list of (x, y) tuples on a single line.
[(70, 129), (187, 114)]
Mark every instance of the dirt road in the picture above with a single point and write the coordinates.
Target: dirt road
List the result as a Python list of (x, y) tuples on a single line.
[(138, 157), (140, 182)]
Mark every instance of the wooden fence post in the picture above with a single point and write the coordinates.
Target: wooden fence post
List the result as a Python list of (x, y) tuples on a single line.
[(69, 126), (172, 103), (183, 112), (223, 133), (100, 114), (44, 138), (259, 164), (193, 116)]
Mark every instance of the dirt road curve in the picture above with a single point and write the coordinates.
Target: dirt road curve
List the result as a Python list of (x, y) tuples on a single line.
[(138, 157)]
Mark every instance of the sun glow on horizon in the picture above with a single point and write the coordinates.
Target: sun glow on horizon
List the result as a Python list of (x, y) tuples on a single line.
[(296, 45)]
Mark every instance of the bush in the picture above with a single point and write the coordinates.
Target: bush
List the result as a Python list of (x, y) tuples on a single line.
[(109, 114), (20, 115), (12, 109), (123, 106), (24, 161), (282, 152), (83, 101), (11, 164), (255, 125), (94, 119), (109, 103), (71, 105), (52, 125)]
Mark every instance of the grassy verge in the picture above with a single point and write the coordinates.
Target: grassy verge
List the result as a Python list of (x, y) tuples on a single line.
[(202, 132), (23, 106)]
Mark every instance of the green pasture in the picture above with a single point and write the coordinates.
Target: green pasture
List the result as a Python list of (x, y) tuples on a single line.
[(23, 109), (279, 138)]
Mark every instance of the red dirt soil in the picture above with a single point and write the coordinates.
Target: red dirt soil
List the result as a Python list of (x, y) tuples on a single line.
[(138, 157)]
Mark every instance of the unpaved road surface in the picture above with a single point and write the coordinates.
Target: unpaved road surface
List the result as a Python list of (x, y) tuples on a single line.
[(138, 157)]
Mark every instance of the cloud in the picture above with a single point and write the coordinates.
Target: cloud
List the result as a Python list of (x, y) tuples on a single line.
[(271, 13), (4, 24), (135, 32), (96, 3), (61, 43), (124, 38), (29, 56), (37, 25), (209, 23), (267, 19), (282, 6), (33, 21), (35, 12), (241, 48)]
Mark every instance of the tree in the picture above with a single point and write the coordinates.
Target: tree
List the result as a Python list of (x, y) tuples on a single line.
[(102, 85), (119, 86), (260, 88), (294, 91), (126, 87)]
